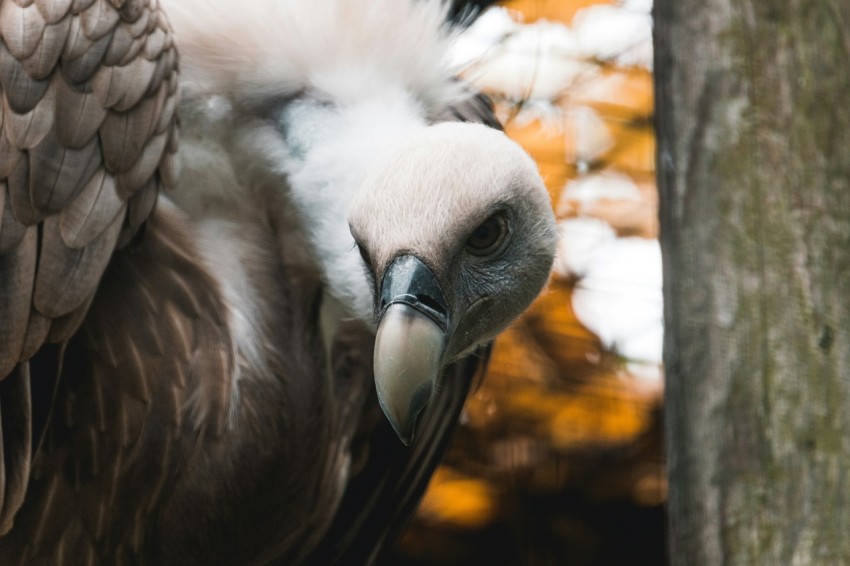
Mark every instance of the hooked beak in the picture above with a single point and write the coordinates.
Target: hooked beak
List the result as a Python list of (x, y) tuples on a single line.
[(410, 343)]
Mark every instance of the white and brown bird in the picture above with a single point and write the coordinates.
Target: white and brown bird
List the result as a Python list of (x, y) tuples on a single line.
[(196, 376)]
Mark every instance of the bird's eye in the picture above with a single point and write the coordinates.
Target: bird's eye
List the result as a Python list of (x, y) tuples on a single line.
[(489, 236)]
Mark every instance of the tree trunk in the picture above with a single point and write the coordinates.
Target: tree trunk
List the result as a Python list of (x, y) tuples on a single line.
[(753, 119)]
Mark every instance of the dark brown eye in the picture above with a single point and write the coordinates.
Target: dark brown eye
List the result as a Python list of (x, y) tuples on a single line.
[(488, 237)]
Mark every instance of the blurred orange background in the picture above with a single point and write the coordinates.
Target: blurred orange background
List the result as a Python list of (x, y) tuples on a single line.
[(558, 459)]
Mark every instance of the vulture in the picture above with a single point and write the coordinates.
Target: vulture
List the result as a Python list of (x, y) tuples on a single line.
[(248, 345)]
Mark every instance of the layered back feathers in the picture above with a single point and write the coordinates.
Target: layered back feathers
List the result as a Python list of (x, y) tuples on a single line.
[(345, 49)]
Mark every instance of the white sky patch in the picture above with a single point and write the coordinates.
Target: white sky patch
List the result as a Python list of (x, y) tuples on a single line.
[(619, 295), (591, 134), (493, 26), (536, 61), (615, 33), (581, 240), (544, 61), (604, 89), (600, 186), (644, 6)]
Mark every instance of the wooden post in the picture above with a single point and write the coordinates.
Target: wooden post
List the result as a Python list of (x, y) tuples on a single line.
[(753, 120)]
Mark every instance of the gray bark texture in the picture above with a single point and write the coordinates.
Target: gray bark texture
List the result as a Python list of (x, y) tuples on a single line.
[(753, 121)]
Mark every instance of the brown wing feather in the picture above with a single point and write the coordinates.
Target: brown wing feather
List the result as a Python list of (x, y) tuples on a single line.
[(38, 329), (69, 71), (82, 56), (66, 276), (89, 214), (16, 413), (53, 10), (17, 184), (57, 173), (119, 436), (17, 275), (87, 112), (11, 230), (40, 64), (21, 28), (23, 91), (26, 129), (79, 116)]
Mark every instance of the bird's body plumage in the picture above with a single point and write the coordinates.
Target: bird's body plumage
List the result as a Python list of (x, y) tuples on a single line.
[(213, 401)]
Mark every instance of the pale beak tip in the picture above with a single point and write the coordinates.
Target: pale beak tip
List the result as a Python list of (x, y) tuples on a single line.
[(406, 436), (404, 422)]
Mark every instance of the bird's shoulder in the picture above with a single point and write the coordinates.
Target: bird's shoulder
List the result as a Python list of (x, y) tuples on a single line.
[(133, 397)]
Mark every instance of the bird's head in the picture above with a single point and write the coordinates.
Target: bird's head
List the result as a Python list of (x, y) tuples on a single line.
[(456, 230)]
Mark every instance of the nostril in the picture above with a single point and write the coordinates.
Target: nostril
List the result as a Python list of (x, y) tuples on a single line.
[(432, 304)]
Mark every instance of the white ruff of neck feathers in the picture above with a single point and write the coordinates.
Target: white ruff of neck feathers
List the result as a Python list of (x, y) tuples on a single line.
[(346, 49)]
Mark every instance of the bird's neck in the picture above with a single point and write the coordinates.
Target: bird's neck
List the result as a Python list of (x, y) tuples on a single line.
[(331, 148), (243, 178)]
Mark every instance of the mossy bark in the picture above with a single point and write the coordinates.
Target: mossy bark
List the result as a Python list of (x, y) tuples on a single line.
[(753, 121)]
